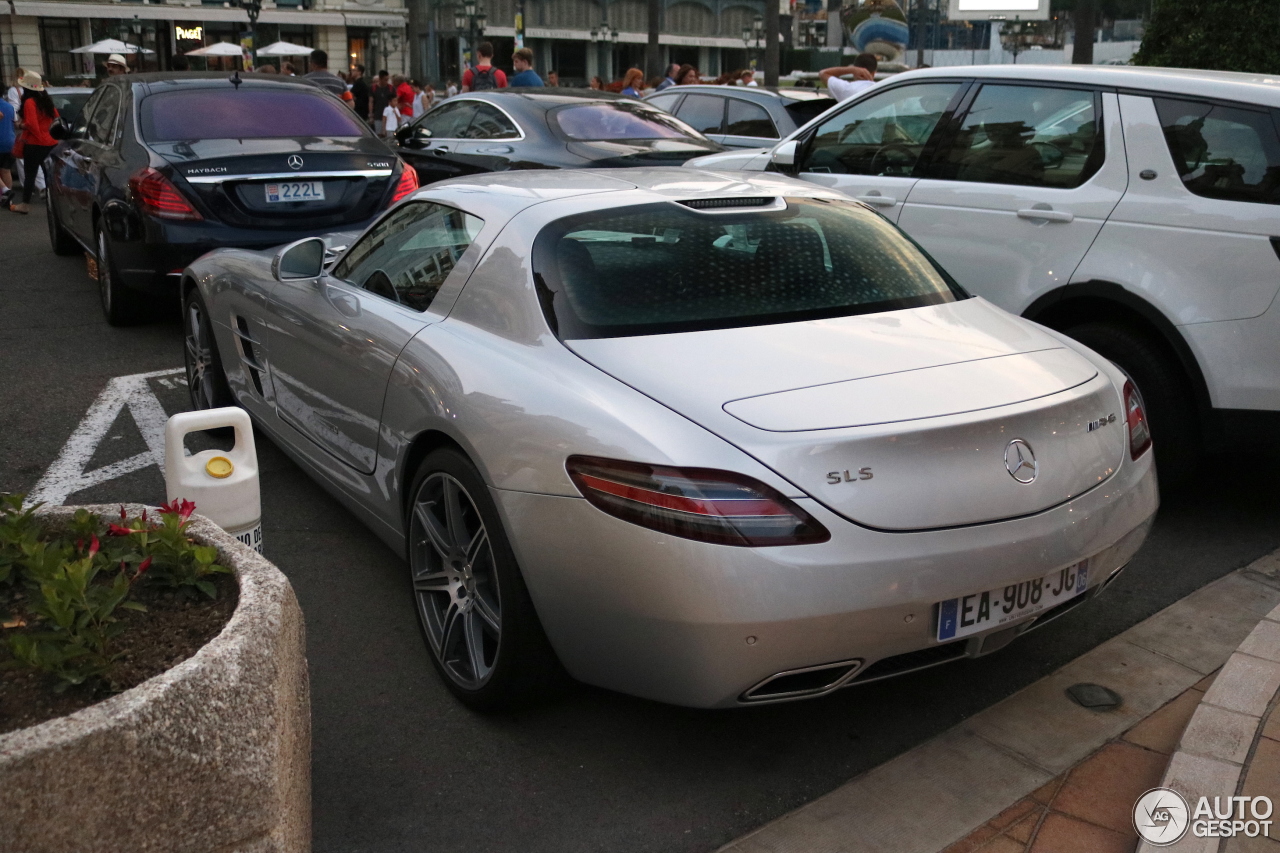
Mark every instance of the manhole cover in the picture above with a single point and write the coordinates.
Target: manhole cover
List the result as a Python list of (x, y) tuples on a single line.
[(1094, 696)]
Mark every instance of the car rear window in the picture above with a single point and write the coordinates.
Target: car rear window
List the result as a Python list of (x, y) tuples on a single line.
[(244, 113), (662, 268), (619, 120)]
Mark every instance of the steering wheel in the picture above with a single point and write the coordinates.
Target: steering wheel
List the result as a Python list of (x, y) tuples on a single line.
[(1051, 156), (380, 283), (894, 158)]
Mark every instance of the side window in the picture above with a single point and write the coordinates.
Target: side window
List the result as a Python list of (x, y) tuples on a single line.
[(491, 123), (663, 102), (1030, 135), (744, 118), (1222, 152), (408, 255), (102, 121), (881, 135), (704, 113), (450, 121)]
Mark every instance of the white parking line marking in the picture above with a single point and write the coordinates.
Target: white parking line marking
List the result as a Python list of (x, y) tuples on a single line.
[(67, 474)]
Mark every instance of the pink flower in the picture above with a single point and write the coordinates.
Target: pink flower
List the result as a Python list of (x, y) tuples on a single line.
[(123, 517), (117, 530), (142, 568), (183, 510), (94, 546)]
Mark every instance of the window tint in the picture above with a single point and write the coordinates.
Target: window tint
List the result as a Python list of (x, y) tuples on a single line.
[(663, 102), (1030, 135), (408, 255), (450, 121), (102, 121), (245, 113), (1222, 152), (70, 105), (747, 119), (704, 113), (619, 120), (663, 268), (491, 123), (881, 135)]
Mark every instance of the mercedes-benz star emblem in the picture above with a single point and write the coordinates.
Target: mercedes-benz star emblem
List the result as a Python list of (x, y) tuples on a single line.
[(1020, 461), (294, 161)]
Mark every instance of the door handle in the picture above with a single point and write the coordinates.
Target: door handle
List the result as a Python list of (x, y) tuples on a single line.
[(1047, 214), (878, 200), (440, 149)]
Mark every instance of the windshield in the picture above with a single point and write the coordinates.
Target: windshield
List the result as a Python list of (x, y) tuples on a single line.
[(620, 120), (245, 113), (663, 268)]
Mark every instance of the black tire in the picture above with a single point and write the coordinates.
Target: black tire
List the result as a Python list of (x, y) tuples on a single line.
[(206, 379), (62, 242), (521, 667), (1166, 393), (121, 305)]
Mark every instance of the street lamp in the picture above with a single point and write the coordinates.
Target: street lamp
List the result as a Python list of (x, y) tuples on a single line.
[(252, 8), (753, 35), (608, 37), (388, 42), (1012, 33), (469, 17)]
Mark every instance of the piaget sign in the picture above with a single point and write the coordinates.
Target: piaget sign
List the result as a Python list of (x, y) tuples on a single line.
[(188, 33)]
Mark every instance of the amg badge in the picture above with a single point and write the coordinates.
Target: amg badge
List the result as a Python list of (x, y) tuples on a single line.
[(1101, 422), (834, 477)]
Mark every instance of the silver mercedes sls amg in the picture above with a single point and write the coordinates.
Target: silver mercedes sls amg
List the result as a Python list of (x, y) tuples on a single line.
[(711, 438)]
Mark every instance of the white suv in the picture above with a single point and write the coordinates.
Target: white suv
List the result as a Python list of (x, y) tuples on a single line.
[(1136, 210)]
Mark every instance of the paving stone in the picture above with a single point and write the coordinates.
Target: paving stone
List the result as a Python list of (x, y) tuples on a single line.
[(1011, 815), (1195, 776), (1162, 730), (1024, 829), (974, 840), (1203, 684), (1263, 641), (1271, 726), (1062, 834), (1003, 844), (1046, 792), (1245, 844), (1246, 684), (1218, 733), (1263, 775), (1103, 789)]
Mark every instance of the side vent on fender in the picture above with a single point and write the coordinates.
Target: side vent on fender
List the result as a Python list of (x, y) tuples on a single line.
[(248, 354)]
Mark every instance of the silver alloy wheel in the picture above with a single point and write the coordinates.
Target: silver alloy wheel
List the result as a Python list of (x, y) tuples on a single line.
[(199, 358), (104, 273), (455, 582)]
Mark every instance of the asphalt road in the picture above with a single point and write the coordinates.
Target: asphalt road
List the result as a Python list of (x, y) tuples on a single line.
[(398, 765)]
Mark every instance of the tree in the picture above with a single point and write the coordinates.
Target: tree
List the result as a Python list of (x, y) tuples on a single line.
[(1085, 21), (1224, 35)]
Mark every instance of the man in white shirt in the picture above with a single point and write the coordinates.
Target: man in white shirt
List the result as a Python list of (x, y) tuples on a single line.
[(390, 120), (863, 70)]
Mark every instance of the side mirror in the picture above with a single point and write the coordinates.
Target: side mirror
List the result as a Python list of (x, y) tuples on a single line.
[(300, 260), (413, 136), (785, 154), (63, 132)]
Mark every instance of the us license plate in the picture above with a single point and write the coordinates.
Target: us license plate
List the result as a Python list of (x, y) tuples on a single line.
[(960, 617), (296, 191)]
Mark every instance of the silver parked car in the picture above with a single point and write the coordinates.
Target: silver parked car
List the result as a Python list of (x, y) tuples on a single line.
[(712, 439)]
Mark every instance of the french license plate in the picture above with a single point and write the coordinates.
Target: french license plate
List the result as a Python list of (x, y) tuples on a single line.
[(296, 191), (960, 617)]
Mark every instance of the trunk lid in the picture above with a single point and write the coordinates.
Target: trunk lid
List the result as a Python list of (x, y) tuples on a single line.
[(900, 420), (645, 152)]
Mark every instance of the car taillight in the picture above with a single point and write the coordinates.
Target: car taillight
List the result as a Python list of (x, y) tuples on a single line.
[(694, 503), (158, 197), (408, 183), (1136, 417)]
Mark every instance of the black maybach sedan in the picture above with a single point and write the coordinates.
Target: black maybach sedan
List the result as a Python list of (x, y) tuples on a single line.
[(161, 168), (502, 129)]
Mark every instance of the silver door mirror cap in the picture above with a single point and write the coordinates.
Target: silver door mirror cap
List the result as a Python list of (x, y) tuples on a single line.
[(784, 154), (302, 259)]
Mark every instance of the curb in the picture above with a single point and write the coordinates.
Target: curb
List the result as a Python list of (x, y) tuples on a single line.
[(1218, 745)]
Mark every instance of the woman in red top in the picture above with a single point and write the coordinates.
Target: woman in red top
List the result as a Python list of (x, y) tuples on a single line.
[(36, 117)]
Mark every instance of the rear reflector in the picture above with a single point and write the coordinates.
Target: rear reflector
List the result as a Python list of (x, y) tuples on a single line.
[(1136, 417), (694, 503), (407, 184), (156, 195)]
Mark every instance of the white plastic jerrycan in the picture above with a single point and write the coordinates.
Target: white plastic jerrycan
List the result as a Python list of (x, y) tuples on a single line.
[(222, 484)]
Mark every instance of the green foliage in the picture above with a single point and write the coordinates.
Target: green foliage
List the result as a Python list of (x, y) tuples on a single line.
[(1223, 35)]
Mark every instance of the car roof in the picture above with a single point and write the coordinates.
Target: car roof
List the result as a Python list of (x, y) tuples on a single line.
[(1228, 85), (70, 90), (545, 97), (758, 93), (158, 81)]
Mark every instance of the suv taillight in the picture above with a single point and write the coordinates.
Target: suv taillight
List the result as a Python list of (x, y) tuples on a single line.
[(407, 184), (694, 503), (1135, 415), (156, 195)]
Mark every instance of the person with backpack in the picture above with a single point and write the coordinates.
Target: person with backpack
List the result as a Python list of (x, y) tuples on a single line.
[(484, 75)]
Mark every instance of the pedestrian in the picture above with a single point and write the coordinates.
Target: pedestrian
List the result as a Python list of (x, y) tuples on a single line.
[(381, 95), (14, 95), (37, 115), (597, 84), (8, 135), (390, 119), (688, 76), (116, 65), (553, 79), (522, 62), (268, 68), (404, 96), (429, 96), (484, 76), (419, 96), (179, 63), (673, 70), (863, 71), (632, 83), (451, 88), (286, 68), (360, 93), (748, 78), (321, 76)]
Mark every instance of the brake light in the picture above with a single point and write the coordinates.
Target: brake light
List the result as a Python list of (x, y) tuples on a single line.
[(1136, 417), (694, 503), (159, 197), (408, 182)]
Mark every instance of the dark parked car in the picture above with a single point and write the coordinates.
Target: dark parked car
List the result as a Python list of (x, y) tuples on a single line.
[(502, 129), (742, 116), (161, 168), (69, 100)]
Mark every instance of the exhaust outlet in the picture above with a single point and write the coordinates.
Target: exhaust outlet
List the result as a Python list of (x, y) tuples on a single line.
[(798, 683)]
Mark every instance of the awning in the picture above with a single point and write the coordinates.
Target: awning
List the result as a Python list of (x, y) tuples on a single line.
[(374, 20), (158, 12), (626, 38)]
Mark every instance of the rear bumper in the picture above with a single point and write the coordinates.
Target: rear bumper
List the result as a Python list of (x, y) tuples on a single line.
[(696, 624)]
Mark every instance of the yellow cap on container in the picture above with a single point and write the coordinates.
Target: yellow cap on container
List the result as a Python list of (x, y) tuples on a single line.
[(219, 467)]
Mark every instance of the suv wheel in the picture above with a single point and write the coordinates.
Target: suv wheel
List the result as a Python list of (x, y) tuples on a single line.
[(120, 305)]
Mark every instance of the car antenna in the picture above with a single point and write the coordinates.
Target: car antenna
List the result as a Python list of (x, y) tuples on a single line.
[(235, 79)]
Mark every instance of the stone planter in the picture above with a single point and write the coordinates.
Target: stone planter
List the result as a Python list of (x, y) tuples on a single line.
[(214, 754)]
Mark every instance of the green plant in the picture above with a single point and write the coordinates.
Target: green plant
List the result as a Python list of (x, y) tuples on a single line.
[(1223, 35), (174, 560)]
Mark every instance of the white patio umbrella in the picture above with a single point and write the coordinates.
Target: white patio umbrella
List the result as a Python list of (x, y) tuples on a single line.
[(285, 48), (111, 46), (222, 48)]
